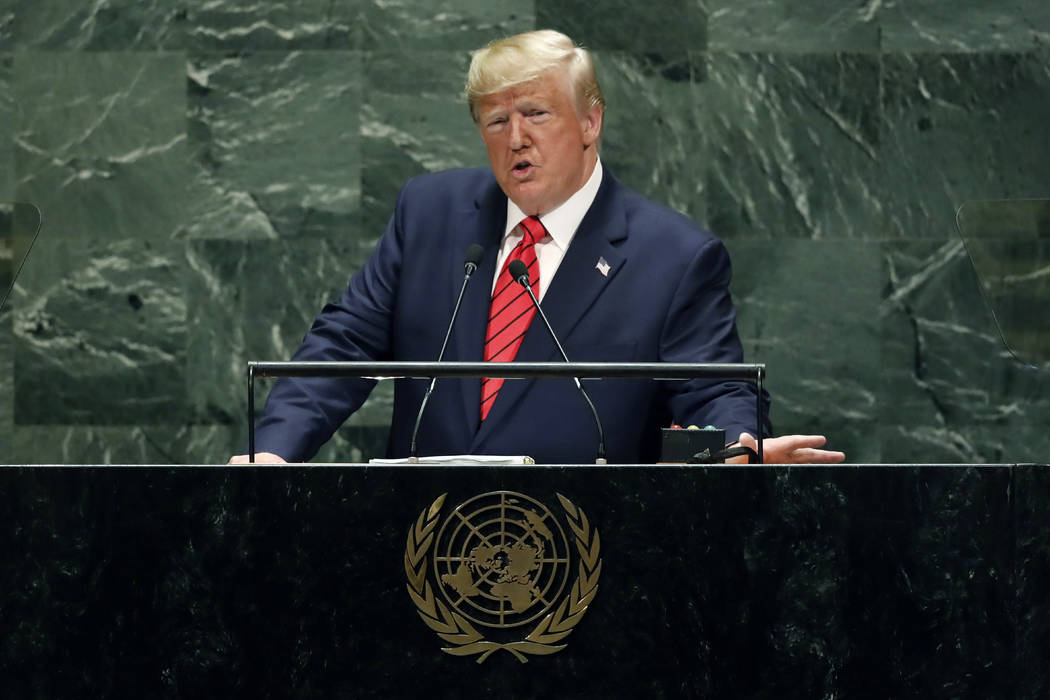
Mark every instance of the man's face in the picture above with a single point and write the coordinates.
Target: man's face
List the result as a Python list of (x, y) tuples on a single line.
[(540, 149)]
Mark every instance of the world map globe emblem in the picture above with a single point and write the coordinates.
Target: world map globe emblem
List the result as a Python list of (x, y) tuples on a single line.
[(501, 559)]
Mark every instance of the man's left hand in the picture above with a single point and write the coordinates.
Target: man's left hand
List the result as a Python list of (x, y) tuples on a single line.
[(791, 449)]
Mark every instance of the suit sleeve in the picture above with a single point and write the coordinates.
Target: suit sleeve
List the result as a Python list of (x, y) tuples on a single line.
[(701, 327), (301, 413)]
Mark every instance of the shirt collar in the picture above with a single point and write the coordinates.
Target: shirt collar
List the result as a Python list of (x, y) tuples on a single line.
[(562, 221)]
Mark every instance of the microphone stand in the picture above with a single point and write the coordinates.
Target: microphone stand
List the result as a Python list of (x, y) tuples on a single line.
[(522, 278), (474, 254)]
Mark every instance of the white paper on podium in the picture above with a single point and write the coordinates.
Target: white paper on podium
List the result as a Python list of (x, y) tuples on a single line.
[(480, 460)]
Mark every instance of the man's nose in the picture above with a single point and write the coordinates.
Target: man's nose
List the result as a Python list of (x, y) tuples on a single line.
[(519, 133)]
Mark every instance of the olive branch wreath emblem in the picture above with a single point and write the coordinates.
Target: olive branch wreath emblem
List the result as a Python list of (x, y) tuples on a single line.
[(465, 639)]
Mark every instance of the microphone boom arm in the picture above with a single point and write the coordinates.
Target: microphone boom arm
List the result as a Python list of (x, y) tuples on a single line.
[(474, 253), (600, 458)]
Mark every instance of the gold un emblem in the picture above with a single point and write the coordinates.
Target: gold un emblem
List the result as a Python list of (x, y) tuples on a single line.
[(501, 563)]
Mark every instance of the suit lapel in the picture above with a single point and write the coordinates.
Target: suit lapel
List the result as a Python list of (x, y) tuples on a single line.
[(575, 288)]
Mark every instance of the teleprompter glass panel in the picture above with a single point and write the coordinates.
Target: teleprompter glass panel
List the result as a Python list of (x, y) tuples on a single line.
[(1008, 242)]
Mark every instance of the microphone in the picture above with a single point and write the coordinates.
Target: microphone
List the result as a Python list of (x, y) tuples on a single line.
[(520, 273), (473, 257)]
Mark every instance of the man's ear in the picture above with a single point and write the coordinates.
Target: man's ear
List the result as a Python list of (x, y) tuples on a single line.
[(592, 126)]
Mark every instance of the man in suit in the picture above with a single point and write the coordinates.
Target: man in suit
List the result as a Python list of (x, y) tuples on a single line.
[(621, 279)]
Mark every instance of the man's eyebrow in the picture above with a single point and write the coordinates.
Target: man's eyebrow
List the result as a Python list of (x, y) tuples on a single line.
[(493, 111), (525, 104)]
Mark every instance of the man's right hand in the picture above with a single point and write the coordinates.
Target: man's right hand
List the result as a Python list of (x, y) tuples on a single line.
[(260, 458)]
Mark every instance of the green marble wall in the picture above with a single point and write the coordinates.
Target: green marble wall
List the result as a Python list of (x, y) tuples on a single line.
[(210, 173)]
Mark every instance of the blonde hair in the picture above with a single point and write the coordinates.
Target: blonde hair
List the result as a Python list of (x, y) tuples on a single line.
[(525, 57)]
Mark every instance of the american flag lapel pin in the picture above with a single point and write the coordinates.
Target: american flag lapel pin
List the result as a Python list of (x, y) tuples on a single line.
[(603, 266)]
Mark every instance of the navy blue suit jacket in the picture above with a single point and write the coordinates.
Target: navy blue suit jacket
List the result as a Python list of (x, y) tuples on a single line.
[(665, 299)]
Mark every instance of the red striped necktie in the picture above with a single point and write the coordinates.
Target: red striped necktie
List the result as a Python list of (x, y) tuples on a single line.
[(511, 310)]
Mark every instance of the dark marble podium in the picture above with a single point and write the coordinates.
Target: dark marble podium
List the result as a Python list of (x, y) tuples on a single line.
[(774, 582)]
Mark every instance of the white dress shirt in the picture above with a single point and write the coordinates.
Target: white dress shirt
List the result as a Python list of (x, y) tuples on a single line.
[(561, 224)]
